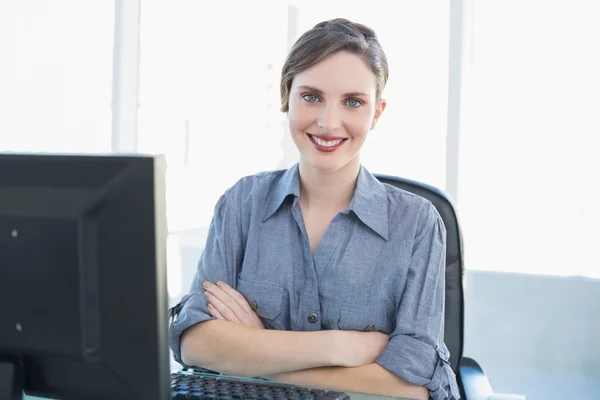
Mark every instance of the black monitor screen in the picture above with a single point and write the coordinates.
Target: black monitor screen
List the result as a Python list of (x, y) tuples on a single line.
[(83, 298)]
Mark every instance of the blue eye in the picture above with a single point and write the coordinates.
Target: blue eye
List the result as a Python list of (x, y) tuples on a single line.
[(354, 103), (311, 98)]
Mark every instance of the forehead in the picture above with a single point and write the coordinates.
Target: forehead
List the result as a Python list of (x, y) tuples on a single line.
[(339, 73)]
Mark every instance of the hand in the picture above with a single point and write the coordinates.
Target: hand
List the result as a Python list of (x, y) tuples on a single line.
[(226, 303), (355, 349)]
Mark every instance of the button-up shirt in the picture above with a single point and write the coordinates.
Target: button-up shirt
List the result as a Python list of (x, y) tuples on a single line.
[(379, 267)]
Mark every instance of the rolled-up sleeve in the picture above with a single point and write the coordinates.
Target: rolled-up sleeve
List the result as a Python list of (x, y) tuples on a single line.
[(416, 351), (220, 261)]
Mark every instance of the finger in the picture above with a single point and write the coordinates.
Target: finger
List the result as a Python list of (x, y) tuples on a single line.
[(219, 308), (214, 312), (224, 297), (222, 308), (237, 296)]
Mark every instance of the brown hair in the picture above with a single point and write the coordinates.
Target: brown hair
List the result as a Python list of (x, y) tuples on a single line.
[(327, 38)]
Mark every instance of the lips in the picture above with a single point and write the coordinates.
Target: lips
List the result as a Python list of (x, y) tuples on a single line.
[(326, 143)]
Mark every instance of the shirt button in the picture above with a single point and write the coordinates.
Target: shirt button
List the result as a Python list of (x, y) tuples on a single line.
[(312, 318), (253, 305), (369, 328)]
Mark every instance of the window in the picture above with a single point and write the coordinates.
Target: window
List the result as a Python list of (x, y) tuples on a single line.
[(209, 97), (529, 160), (56, 76)]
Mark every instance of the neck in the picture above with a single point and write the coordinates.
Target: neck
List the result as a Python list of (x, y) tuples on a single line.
[(332, 189)]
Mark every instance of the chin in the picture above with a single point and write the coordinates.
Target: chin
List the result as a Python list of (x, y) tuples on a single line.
[(332, 164)]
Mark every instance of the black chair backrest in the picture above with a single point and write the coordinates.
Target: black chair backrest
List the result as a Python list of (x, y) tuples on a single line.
[(454, 321)]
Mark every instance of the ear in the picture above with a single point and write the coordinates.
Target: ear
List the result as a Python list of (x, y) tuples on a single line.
[(378, 111)]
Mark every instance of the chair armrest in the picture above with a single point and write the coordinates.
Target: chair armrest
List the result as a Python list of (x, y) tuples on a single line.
[(473, 380)]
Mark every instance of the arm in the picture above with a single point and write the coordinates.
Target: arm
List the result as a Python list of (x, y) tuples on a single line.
[(416, 351), (237, 349), (370, 378), (231, 309), (237, 343), (240, 350), (220, 261)]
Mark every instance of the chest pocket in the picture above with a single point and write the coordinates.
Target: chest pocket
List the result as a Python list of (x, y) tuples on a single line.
[(365, 318), (266, 301)]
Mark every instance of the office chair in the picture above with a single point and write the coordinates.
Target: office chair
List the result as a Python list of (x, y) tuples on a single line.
[(472, 381)]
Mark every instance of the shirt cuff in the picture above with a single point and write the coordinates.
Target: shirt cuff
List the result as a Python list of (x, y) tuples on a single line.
[(420, 364), (191, 310)]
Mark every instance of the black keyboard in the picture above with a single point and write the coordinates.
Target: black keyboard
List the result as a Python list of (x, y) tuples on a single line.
[(185, 386)]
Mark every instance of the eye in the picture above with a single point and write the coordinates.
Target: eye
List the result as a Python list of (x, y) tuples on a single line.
[(311, 98), (354, 103)]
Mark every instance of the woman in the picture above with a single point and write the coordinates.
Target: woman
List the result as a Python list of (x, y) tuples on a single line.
[(345, 273)]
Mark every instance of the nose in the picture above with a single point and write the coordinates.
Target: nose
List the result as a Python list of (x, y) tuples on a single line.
[(330, 118)]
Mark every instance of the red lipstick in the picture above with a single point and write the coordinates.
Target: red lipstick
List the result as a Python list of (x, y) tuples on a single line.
[(324, 143)]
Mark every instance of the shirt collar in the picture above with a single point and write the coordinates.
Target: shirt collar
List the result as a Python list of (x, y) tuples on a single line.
[(287, 184), (369, 203)]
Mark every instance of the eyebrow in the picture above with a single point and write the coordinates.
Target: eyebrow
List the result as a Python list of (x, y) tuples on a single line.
[(319, 91)]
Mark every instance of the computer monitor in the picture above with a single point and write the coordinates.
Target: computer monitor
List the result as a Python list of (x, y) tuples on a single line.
[(83, 288)]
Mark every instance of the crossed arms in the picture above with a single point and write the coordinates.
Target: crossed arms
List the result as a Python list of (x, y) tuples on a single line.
[(237, 343)]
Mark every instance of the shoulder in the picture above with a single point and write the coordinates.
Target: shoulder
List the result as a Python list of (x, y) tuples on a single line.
[(250, 190), (254, 185), (405, 206)]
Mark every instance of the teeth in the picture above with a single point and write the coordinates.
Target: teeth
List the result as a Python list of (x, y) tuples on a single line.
[(327, 143)]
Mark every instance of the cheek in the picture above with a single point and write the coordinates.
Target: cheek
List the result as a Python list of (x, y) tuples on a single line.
[(359, 124), (300, 118)]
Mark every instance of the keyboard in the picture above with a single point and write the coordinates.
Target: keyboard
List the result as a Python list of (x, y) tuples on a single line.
[(192, 387)]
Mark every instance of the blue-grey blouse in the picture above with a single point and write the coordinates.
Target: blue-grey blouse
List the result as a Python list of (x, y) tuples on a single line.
[(380, 266)]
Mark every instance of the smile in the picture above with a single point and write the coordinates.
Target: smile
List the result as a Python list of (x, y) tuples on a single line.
[(329, 144)]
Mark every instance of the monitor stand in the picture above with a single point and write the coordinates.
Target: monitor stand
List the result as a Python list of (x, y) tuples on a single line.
[(11, 379)]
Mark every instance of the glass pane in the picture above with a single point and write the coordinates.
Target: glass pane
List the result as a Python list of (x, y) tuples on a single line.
[(529, 166), (56, 75), (209, 97), (528, 197)]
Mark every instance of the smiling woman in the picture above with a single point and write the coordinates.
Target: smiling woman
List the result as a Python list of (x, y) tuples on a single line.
[(320, 274), (332, 107), (331, 90)]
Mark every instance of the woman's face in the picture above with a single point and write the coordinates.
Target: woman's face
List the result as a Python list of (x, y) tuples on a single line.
[(332, 108)]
